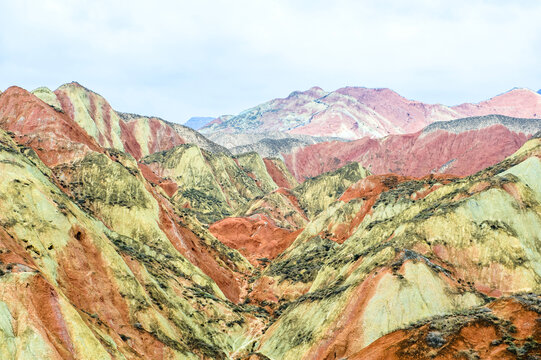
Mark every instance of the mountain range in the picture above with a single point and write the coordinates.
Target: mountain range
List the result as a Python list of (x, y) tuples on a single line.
[(355, 112), (125, 236)]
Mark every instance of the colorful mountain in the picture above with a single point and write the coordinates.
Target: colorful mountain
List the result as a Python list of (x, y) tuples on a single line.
[(121, 239), (135, 134), (460, 147), (430, 252), (96, 262), (355, 112)]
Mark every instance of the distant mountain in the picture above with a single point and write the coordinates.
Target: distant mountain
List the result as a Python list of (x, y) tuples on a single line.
[(355, 112), (458, 147), (198, 122), (518, 125), (268, 144)]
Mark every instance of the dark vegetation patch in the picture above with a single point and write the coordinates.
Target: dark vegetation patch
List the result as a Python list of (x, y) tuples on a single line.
[(340, 259), (443, 329), (97, 179), (303, 265), (407, 254)]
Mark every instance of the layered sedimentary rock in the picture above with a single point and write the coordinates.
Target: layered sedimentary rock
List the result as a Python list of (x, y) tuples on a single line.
[(96, 262), (135, 134), (355, 112), (459, 147), (82, 279), (117, 250), (426, 248)]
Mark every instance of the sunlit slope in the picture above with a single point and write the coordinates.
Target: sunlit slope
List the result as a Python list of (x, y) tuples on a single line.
[(415, 255)]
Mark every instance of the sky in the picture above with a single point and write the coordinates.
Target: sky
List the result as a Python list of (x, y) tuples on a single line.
[(178, 59)]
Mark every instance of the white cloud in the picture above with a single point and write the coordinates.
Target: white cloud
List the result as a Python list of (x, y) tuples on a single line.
[(178, 59)]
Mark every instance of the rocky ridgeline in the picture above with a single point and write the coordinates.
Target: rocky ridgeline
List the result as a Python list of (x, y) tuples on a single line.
[(526, 126), (233, 140), (271, 147), (188, 134), (355, 112)]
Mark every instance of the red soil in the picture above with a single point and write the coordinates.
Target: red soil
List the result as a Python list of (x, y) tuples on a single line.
[(170, 187), (87, 280), (478, 338), (254, 237), (277, 175)]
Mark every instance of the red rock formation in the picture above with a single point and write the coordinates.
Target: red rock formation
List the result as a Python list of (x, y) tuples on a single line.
[(54, 136), (254, 237), (523, 103), (482, 336), (170, 187), (411, 154), (369, 189), (160, 137), (277, 174)]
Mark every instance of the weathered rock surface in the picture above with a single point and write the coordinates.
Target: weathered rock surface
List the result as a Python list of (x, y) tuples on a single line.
[(105, 252), (425, 249), (459, 147), (355, 112)]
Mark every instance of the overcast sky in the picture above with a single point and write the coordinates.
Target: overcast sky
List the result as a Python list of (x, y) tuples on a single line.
[(178, 59)]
